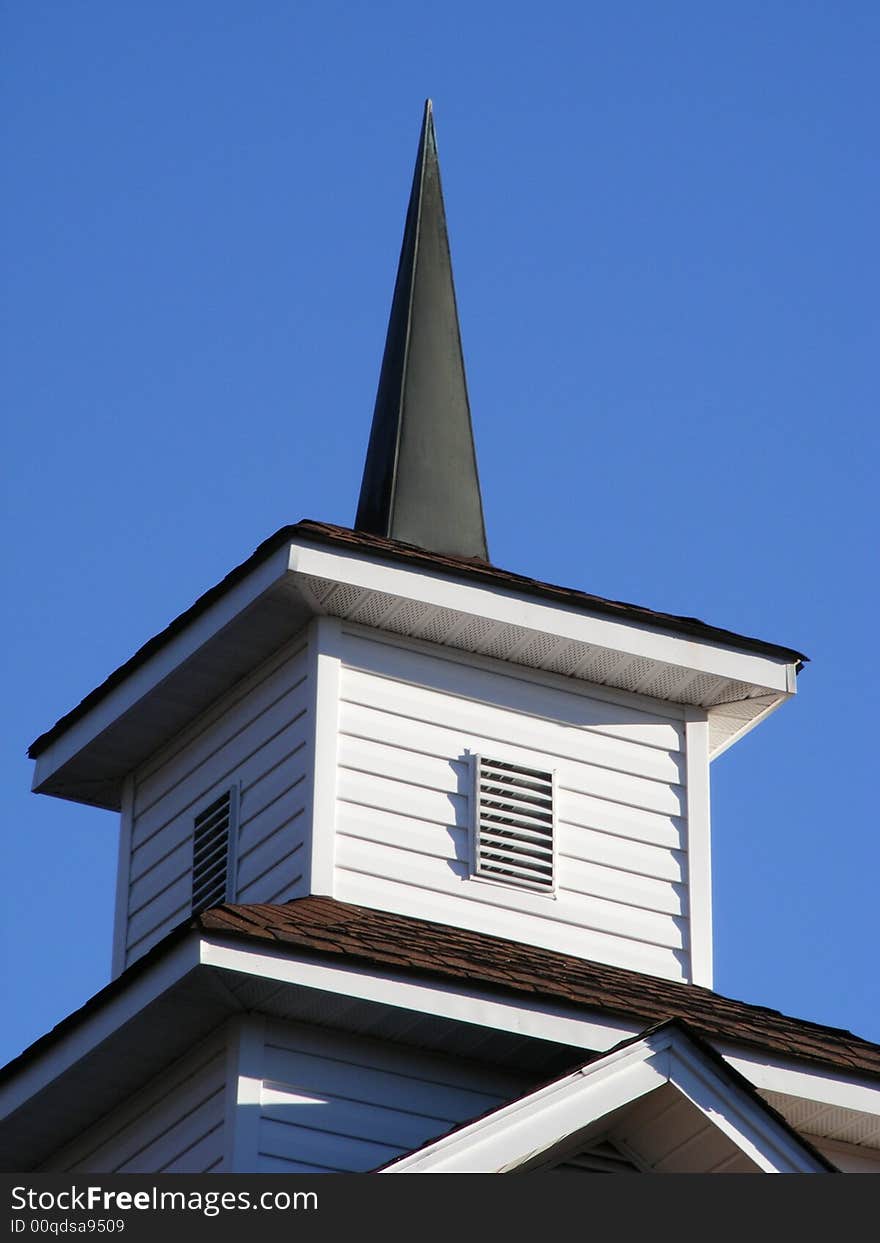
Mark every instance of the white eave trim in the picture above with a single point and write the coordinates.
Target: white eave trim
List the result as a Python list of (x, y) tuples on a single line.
[(560, 1024), (162, 665), (85, 1036), (554, 638), (506, 606), (538, 1019), (519, 1132), (827, 1087)]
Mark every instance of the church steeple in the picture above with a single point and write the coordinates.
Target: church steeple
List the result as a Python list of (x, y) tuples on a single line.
[(420, 479)]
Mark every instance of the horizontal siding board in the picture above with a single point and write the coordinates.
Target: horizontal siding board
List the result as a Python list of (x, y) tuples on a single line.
[(451, 878), (286, 1040), (279, 782), (260, 744), (337, 1101), (174, 1145), (344, 1153), (240, 755), (621, 788), (179, 1112), (138, 946), (598, 881), (400, 797), (448, 773), (275, 845), (223, 720), (353, 1081), (578, 845), (147, 884), (386, 828), (352, 1119), (263, 820), (279, 874), (622, 853), (564, 936), (586, 811), (269, 1164), (201, 1157), (451, 774), (290, 883), (435, 736), (644, 844), (176, 836), (517, 695), (409, 726), (168, 903)]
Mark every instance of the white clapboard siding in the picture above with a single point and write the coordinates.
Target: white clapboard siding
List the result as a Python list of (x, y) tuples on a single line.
[(256, 739), (335, 1102), (409, 723), (606, 713), (173, 1126)]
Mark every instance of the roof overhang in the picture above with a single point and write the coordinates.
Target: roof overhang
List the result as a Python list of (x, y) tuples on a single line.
[(299, 575), (179, 993), (721, 1122), (190, 984)]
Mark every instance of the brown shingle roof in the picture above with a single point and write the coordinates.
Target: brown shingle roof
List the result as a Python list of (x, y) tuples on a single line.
[(394, 550), (403, 943)]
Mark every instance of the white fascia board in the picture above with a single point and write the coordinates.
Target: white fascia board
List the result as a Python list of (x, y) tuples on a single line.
[(825, 1087), (527, 1127), (97, 1027), (513, 1134), (146, 677), (560, 1024), (771, 1146), (508, 607)]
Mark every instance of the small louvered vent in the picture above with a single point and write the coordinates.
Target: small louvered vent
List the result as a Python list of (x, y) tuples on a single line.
[(211, 835), (513, 831)]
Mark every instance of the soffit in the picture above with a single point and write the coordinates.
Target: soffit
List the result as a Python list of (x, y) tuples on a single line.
[(314, 569)]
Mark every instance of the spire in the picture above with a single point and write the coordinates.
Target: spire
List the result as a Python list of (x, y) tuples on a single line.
[(420, 479)]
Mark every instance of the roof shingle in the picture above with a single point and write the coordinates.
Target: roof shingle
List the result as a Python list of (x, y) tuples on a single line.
[(395, 550), (383, 939)]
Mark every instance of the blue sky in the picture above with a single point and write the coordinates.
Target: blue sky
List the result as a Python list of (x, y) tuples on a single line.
[(663, 222)]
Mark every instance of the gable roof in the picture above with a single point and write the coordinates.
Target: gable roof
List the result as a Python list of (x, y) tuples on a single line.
[(170, 998), (407, 554), (381, 938), (550, 1123)]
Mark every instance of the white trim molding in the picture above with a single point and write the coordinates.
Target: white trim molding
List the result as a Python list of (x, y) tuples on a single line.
[(87, 760), (527, 1130), (324, 677), (699, 847)]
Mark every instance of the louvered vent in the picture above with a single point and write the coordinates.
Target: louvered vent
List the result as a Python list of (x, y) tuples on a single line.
[(513, 825), (212, 830)]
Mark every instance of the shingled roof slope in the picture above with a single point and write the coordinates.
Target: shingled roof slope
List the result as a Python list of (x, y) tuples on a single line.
[(409, 554), (383, 939)]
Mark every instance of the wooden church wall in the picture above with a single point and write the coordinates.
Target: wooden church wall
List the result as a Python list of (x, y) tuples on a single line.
[(335, 1102), (407, 720), (256, 738), (175, 1125)]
